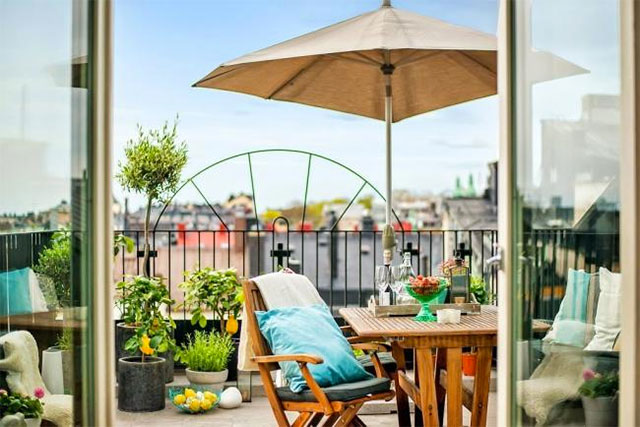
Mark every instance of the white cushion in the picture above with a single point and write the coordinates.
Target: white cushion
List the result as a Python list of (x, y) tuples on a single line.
[(38, 303), (607, 325)]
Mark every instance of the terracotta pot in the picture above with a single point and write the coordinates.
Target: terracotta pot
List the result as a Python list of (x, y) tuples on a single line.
[(469, 364)]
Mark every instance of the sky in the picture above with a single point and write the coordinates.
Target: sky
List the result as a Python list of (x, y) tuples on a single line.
[(162, 47)]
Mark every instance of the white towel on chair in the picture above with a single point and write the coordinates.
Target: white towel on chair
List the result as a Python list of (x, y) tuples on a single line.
[(278, 290)]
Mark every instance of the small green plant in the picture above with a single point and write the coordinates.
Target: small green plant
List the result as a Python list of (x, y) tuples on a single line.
[(120, 241), (206, 352), (54, 264), (599, 385), (17, 403), (154, 163), (478, 288), (65, 340), (217, 290), (140, 302)]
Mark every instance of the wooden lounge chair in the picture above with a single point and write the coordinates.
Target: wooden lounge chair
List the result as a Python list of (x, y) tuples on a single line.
[(339, 404)]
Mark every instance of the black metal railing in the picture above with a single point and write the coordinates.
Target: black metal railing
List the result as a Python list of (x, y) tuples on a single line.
[(342, 263)]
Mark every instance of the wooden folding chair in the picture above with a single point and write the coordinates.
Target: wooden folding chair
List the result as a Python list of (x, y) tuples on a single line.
[(339, 404)]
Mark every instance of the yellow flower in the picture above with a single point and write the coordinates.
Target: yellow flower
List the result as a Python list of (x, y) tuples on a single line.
[(179, 399), (195, 405), (232, 325), (144, 345), (189, 392), (210, 396)]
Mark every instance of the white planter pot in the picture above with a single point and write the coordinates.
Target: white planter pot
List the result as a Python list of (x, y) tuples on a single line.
[(33, 422), (214, 380), (57, 370)]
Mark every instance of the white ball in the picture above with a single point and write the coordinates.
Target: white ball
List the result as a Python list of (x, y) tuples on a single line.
[(230, 398)]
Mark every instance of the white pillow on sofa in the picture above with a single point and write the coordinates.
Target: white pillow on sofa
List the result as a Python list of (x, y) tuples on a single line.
[(607, 325)]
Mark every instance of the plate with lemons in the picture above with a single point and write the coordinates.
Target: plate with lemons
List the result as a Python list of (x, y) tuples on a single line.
[(194, 399)]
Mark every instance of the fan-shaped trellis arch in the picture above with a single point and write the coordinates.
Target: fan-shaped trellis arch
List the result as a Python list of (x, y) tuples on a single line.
[(248, 155)]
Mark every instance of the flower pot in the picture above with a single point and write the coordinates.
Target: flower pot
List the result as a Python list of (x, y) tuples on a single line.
[(123, 333), (141, 384), (214, 380), (600, 411), (469, 364), (57, 370), (233, 361)]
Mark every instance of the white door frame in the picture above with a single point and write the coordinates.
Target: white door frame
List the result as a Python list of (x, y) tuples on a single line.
[(629, 213)]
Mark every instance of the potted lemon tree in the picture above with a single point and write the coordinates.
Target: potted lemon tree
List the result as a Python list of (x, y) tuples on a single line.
[(141, 301), (220, 293)]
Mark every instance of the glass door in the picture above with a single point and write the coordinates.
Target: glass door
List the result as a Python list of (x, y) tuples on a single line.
[(564, 274)]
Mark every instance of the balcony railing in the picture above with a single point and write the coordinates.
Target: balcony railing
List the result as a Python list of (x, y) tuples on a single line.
[(342, 263)]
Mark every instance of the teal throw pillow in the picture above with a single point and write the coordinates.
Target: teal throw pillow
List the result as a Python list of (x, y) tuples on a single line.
[(310, 330), (15, 296)]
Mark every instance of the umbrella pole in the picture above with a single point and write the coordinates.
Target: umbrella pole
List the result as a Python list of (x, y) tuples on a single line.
[(388, 235)]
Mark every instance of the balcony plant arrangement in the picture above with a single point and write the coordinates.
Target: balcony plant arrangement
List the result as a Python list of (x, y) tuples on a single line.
[(142, 375), (599, 394), (18, 409), (220, 293), (57, 364), (206, 355)]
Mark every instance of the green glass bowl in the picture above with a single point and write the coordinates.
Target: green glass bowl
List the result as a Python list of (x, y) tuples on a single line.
[(425, 300), (174, 391)]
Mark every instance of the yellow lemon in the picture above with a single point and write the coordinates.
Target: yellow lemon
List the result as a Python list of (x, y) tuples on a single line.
[(206, 404), (210, 396), (195, 405), (179, 399), (232, 325), (189, 392)]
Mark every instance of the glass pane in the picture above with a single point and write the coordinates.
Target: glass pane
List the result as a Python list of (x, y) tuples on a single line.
[(567, 137), (44, 194)]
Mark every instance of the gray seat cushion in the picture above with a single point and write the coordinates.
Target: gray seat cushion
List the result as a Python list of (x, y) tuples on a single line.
[(342, 392), (388, 362)]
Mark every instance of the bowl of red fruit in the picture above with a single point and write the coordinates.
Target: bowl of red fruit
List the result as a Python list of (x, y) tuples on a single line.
[(427, 290)]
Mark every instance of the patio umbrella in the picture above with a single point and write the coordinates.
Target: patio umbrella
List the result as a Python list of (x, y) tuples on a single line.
[(388, 64)]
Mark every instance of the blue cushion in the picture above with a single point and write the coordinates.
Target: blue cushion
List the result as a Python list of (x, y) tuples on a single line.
[(310, 330), (15, 297)]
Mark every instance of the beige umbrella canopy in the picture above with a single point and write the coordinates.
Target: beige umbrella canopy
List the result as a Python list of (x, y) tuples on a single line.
[(353, 65)]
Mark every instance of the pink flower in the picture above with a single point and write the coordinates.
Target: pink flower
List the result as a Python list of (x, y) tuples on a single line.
[(38, 392), (588, 374), (3, 392)]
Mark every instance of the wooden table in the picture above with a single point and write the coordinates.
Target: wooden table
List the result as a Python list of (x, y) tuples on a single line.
[(444, 380)]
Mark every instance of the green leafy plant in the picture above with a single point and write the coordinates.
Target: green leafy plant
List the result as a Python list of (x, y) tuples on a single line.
[(206, 352), (17, 403), (65, 340), (478, 288), (54, 265), (599, 385), (154, 163), (219, 291), (140, 302)]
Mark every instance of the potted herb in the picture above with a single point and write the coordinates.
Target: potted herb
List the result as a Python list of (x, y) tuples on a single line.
[(599, 393), (207, 356), (153, 165), (57, 364), (12, 405), (140, 302)]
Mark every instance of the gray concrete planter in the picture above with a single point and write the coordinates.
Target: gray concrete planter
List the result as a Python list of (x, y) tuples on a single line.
[(600, 411), (213, 380), (123, 333), (141, 384)]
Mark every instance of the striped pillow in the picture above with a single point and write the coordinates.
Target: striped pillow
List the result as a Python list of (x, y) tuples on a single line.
[(569, 326)]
